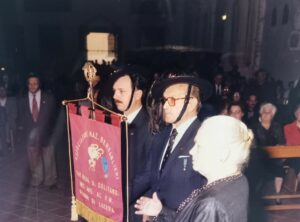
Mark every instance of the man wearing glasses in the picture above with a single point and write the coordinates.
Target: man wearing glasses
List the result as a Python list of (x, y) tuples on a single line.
[(169, 172)]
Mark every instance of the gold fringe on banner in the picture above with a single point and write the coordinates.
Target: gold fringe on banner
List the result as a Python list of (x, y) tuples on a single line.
[(89, 214)]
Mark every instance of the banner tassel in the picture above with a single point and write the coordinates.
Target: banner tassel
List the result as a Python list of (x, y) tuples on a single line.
[(74, 214)]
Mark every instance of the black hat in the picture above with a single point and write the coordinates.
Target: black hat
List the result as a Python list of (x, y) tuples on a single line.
[(176, 78), (136, 74)]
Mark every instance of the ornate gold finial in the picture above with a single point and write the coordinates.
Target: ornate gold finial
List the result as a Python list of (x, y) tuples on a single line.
[(89, 72)]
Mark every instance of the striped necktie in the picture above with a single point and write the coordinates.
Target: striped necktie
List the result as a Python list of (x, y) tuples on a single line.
[(169, 148)]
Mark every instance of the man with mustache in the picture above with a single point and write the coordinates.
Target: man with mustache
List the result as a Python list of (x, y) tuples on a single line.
[(128, 86)]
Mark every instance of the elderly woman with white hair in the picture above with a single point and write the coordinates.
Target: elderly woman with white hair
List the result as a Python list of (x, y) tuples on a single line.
[(221, 150), (268, 132)]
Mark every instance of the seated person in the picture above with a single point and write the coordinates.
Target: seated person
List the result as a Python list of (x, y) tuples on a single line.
[(292, 136), (267, 132), (235, 110), (292, 130), (221, 150), (251, 110)]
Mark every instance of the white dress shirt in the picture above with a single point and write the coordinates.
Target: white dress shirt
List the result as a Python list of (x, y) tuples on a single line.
[(37, 97), (218, 89), (180, 130), (3, 102), (132, 115)]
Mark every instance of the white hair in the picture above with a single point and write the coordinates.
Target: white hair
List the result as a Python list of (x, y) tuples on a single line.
[(232, 134), (268, 105)]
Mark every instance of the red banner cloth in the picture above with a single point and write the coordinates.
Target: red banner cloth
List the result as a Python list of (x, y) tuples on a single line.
[(96, 148)]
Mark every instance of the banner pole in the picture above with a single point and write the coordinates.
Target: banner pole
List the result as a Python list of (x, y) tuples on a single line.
[(127, 169), (74, 214)]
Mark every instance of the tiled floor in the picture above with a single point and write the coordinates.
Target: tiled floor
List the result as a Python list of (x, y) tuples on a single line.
[(21, 203)]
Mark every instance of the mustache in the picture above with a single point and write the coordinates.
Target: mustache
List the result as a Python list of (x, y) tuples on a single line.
[(117, 101)]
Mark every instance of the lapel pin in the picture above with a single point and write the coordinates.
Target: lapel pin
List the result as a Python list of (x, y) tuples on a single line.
[(185, 159)]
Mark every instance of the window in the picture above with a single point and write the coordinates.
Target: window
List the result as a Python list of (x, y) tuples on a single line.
[(101, 46), (285, 15), (274, 17)]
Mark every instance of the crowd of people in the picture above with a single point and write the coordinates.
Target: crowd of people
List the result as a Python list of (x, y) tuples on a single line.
[(181, 101), (189, 138)]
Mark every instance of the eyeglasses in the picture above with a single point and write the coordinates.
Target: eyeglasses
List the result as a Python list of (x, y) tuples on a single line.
[(171, 100)]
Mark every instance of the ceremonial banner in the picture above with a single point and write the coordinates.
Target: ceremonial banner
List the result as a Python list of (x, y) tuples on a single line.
[(96, 149)]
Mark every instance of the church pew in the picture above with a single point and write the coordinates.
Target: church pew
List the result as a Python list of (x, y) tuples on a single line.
[(283, 152)]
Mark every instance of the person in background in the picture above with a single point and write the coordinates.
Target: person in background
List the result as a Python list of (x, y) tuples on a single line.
[(218, 85), (294, 97), (8, 115), (235, 109), (270, 133), (292, 130), (236, 96), (265, 87), (218, 88), (251, 110), (221, 150), (36, 112), (287, 91), (292, 136), (222, 107)]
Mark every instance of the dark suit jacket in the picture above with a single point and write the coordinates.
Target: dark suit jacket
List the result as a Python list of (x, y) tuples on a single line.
[(178, 178), (294, 97), (251, 121), (11, 112), (139, 140), (214, 93), (39, 133), (139, 144), (268, 137)]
